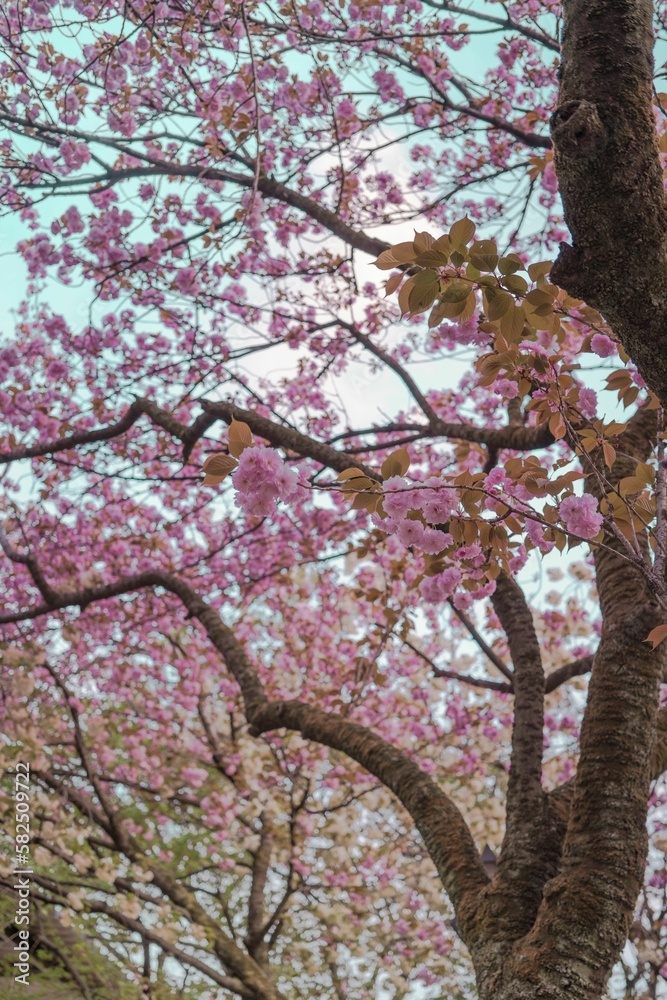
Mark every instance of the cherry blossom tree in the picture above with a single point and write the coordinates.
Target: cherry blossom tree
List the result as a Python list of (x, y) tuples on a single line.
[(334, 594)]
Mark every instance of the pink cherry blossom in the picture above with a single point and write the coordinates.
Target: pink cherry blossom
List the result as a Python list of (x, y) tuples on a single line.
[(588, 403), (580, 515), (262, 478), (603, 345), (436, 589)]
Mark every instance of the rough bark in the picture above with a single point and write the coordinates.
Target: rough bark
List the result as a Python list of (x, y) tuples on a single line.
[(611, 181)]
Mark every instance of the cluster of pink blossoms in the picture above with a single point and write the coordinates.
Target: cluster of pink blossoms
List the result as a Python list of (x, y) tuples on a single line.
[(581, 516), (537, 535), (262, 478), (436, 504), (436, 589), (602, 345)]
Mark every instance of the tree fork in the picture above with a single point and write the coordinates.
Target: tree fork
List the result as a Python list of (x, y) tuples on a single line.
[(587, 908)]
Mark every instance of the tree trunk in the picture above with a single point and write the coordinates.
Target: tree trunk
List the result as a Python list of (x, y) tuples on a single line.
[(554, 984), (610, 176)]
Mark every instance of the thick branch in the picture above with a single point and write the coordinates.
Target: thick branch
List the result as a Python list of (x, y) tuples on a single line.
[(525, 780), (140, 406), (510, 437), (219, 634), (440, 823), (260, 871), (277, 434), (565, 673), (560, 798), (615, 579), (524, 855)]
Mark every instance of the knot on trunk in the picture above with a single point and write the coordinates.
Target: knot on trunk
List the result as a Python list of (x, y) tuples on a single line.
[(577, 129)]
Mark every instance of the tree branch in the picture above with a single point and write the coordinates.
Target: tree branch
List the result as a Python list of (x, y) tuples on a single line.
[(277, 434), (219, 634), (397, 368), (140, 406), (516, 438), (483, 645), (503, 22), (511, 437), (565, 673), (242, 966), (31, 565), (440, 823), (256, 917), (480, 682), (268, 186), (226, 982), (521, 865), (530, 139)]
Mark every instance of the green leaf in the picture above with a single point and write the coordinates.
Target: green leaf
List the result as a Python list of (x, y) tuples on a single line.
[(462, 232), (515, 283), (511, 323), (630, 484), (239, 438), (424, 289), (539, 269), (349, 473), (402, 253), (423, 242), (510, 263), (484, 255), (449, 310), (499, 303), (393, 283), (366, 501), (456, 291), (432, 258), (396, 464), (217, 468)]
